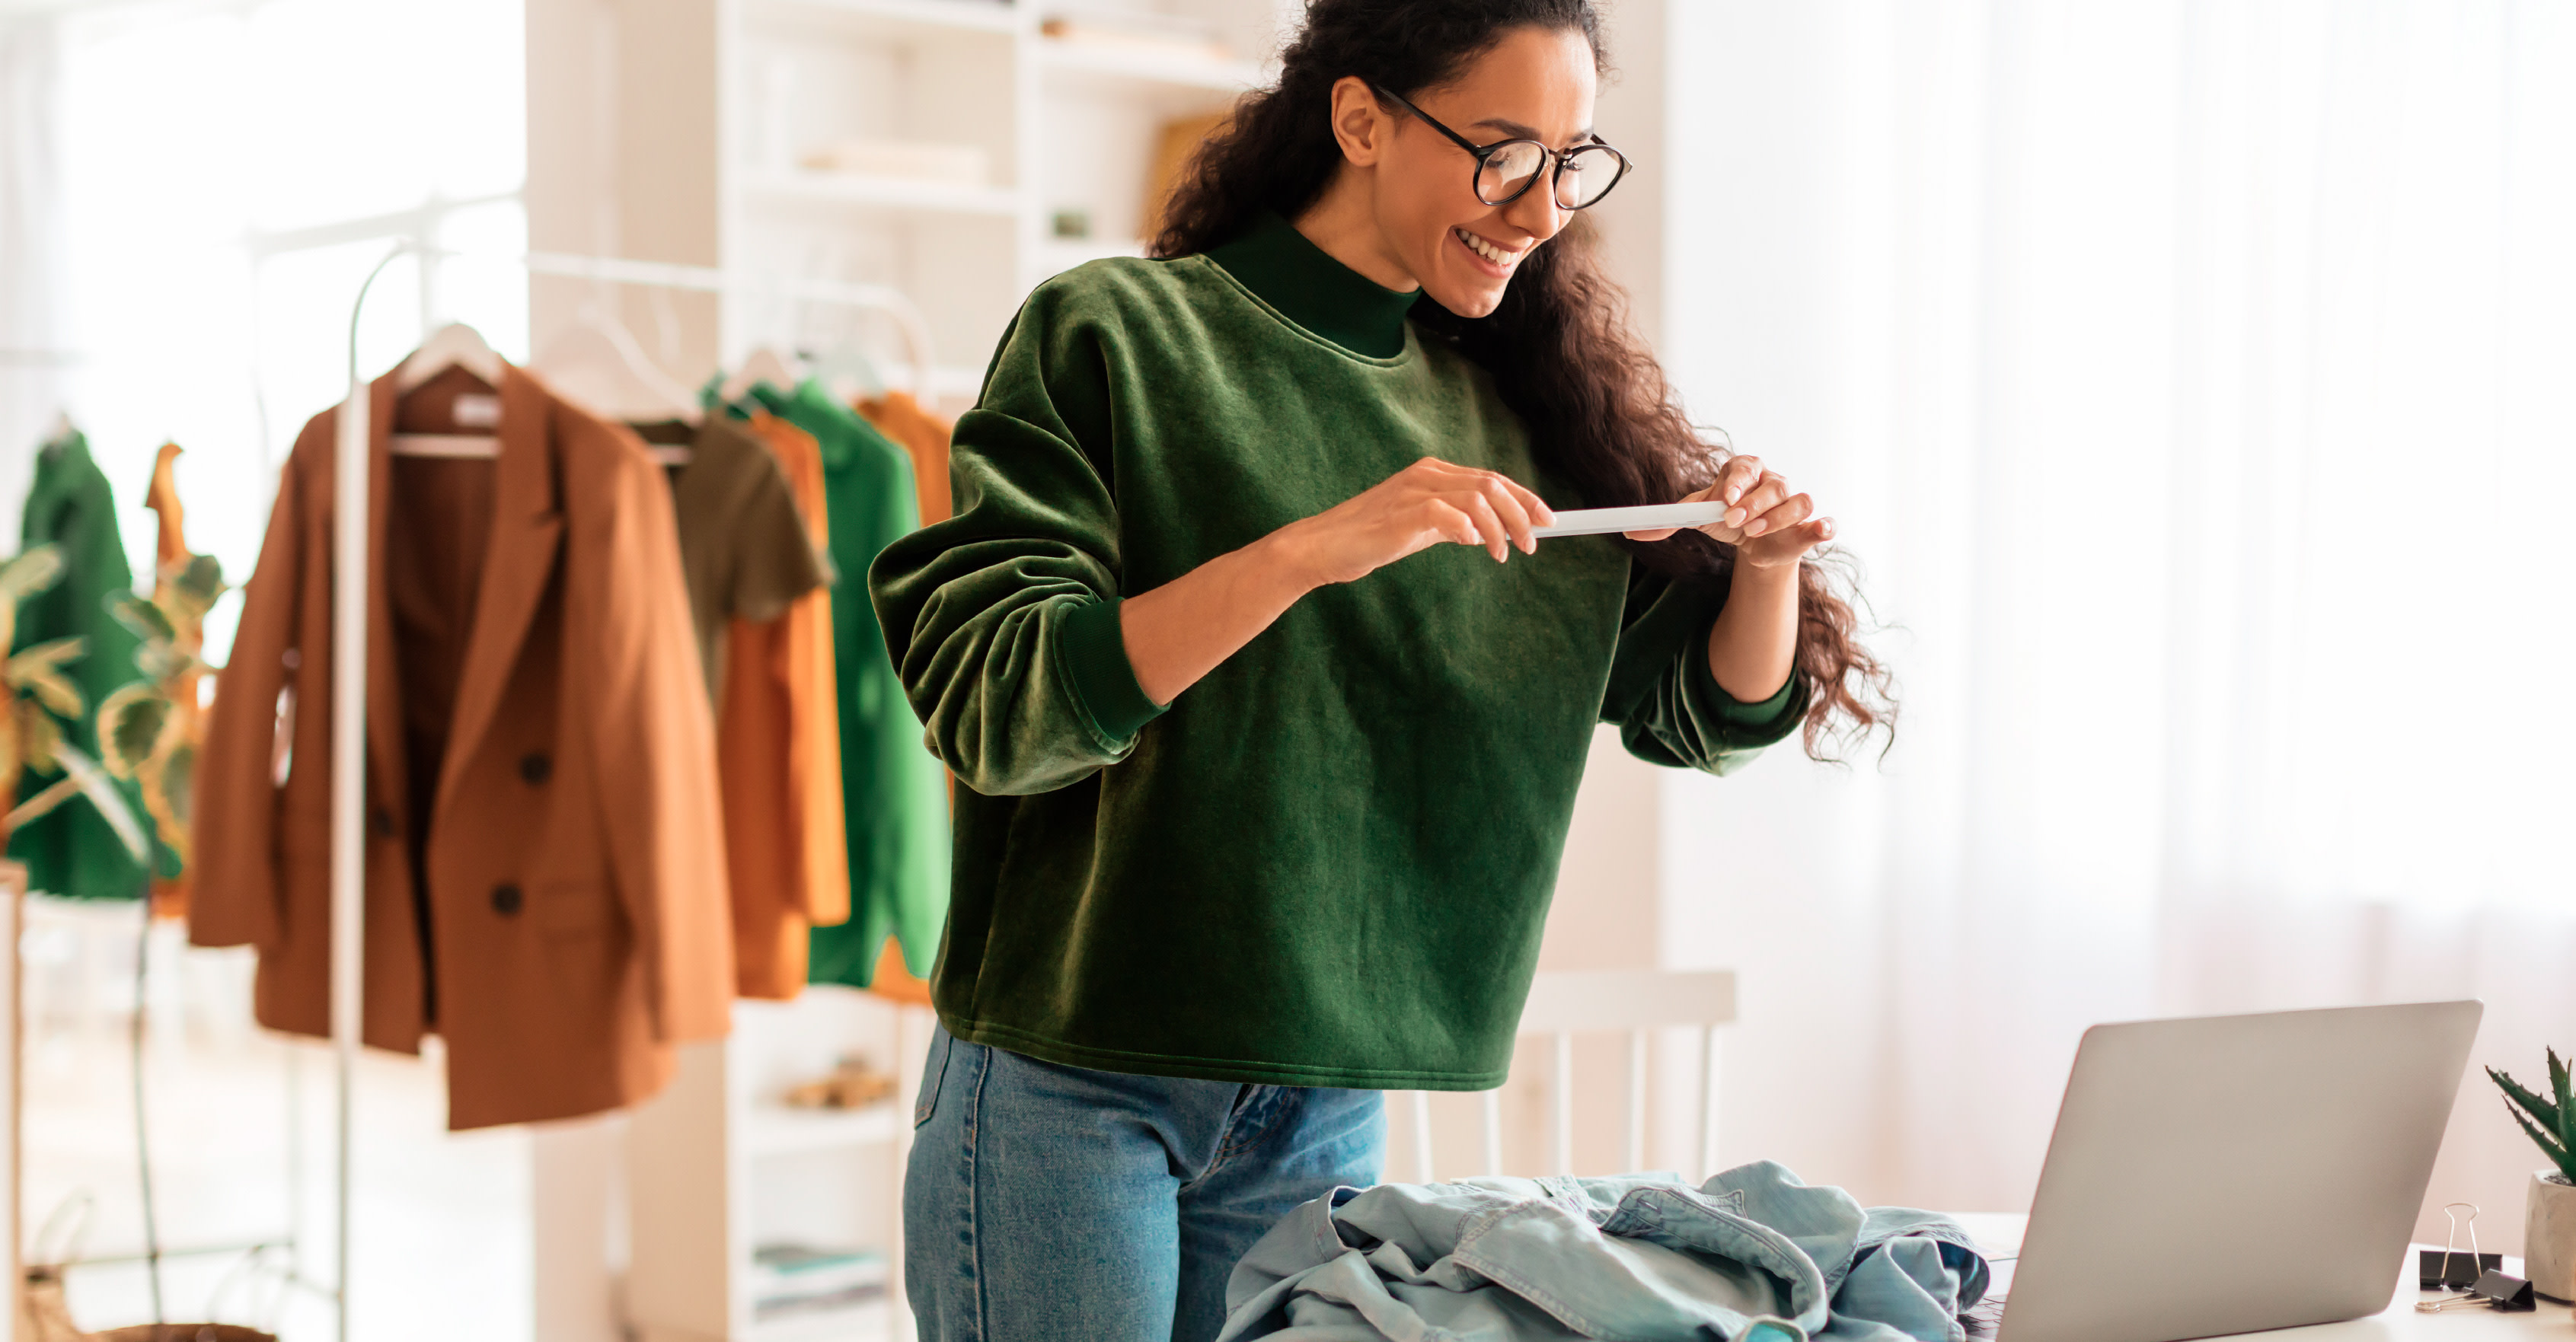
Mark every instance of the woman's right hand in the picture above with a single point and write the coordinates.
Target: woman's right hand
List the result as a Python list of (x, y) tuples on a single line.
[(1420, 506)]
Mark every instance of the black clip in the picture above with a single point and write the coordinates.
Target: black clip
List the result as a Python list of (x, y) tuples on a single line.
[(2443, 1270), (2449, 1269)]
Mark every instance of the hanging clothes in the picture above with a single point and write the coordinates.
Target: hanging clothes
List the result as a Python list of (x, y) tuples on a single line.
[(924, 437), (72, 850), (545, 868), (894, 795), (778, 753), (170, 558), (743, 548)]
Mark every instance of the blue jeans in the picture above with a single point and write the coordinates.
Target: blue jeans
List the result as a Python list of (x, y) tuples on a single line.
[(1046, 1201)]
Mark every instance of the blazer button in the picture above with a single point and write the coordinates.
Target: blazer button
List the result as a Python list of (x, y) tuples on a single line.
[(535, 768), (505, 898)]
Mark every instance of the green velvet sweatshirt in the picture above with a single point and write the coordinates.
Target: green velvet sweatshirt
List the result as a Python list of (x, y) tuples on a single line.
[(1328, 862)]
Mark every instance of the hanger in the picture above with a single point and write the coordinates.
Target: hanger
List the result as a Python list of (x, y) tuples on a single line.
[(844, 371), (455, 345), (599, 363), (764, 365)]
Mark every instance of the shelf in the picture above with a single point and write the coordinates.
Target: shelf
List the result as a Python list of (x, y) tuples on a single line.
[(890, 20), (873, 1320), (1128, 65), (773, 1130), (891, 193)]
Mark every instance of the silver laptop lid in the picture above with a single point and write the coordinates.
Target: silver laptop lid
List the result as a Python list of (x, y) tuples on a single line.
[(2232, 1173)]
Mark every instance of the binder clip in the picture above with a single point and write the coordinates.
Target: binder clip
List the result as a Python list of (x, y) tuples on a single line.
[(2493, 1289), (2450, 1269), (2476, 1278)]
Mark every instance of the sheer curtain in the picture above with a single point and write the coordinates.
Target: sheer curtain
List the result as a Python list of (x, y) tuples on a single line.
[(34, 362), (2195, 381)]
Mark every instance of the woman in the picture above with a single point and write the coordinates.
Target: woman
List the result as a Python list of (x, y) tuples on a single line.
[(1268, 707)]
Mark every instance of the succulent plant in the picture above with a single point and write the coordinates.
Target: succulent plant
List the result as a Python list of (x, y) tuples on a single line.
[(2551, 1121), (147, 729)]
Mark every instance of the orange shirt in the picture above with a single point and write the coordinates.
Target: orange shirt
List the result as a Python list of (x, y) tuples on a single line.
[(778, 756), (925, 439)]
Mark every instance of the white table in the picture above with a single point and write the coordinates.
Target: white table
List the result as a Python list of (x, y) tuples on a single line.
[(2000, 1235)]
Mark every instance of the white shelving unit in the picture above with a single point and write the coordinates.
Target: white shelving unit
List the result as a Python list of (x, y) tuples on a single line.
[(680, 131)]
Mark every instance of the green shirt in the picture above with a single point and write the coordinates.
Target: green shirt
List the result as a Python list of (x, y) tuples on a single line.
[(894, 798), (72, 850), (1329, 862)]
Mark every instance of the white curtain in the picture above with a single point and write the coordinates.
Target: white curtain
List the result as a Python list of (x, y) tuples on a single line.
[(2195, 380), (34, 366)]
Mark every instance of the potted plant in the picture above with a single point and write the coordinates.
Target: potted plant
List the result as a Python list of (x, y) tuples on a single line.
[(2549, 1208)]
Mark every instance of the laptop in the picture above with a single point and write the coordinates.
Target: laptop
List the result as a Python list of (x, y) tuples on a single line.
[(2228, 1174)]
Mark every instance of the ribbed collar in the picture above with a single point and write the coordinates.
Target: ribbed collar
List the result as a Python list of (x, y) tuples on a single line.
[(1305, 283)]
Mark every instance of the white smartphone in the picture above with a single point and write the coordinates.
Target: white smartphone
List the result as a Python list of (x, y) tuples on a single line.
[(1606, 521)]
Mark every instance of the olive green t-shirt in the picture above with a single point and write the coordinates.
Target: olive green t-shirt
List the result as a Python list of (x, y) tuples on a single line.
[(1329, 861), (745, 551)]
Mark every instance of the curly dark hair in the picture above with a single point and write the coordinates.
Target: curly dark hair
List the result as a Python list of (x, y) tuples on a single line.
[(1599, 411)]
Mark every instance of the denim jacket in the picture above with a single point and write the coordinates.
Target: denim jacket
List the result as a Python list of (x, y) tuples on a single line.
[(1753, 1255)]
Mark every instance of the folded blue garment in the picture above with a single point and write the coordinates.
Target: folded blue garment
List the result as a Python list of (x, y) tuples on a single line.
[(1753, 1255)]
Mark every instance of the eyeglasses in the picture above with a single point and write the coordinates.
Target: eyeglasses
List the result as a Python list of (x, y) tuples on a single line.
[(1506, 169)]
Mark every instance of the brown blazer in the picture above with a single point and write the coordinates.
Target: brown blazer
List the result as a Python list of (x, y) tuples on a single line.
[(545, 871)]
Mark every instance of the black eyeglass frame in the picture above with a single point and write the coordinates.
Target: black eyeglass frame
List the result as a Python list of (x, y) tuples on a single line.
[(1557, 159)]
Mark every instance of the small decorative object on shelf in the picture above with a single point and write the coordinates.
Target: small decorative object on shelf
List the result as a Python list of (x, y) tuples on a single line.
[(795, 1279), (907, 160), (852, 1085), (1072, 225), (2549, 1209)]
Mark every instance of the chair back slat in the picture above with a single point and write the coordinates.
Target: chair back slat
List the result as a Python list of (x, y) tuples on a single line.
[(1634, 1002)]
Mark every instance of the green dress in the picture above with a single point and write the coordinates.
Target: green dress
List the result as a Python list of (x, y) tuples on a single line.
[(72, 850), (1327, 863)]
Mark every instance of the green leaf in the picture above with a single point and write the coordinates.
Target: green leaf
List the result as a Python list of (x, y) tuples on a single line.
[(102, 793), (143, 617), (179, 782), (30, 572), (2559, 1155), (58, 695), (158, 661), (2515, 1093), (2566, 1104), (130, 721), (39, 737), (201, 580), (48, 656), (55, 794)]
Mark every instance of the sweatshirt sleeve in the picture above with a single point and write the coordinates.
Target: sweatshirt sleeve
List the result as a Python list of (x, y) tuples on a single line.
[(1667, 704), (1002, 621)]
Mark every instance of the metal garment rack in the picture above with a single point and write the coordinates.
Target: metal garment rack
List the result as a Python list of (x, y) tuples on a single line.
[(349, 632)]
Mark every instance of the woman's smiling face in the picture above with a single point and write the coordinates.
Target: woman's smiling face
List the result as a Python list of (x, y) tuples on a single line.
[(1536, 84)]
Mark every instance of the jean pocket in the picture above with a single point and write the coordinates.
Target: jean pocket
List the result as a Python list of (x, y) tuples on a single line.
[(934, 1070)]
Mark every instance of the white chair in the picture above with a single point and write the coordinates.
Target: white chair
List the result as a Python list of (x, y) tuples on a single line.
[(1638, 1001)]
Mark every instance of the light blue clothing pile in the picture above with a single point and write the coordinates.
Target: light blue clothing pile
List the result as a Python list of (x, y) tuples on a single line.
[(1753, 1255)]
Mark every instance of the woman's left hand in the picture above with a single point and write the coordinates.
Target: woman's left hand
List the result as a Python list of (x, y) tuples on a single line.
[(1768, 526)]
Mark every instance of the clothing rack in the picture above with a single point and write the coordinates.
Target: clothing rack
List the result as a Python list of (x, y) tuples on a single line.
[(349, 631)]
